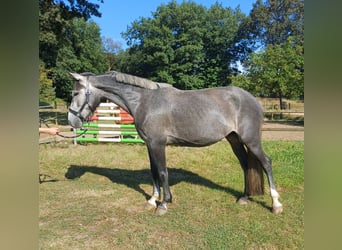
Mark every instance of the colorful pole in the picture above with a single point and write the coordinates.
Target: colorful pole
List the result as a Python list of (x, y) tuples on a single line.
[(111, 118), (101, 132), (111, 111), (123, 140), (96, 125)]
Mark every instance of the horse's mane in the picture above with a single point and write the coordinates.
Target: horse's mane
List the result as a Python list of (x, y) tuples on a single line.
[(137, 81)]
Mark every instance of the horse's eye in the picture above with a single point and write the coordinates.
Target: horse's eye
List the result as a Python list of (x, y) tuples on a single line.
[(75, 93)]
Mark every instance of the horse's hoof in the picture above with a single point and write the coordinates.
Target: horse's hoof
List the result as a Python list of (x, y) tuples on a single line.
[(161, 210), (243, 201), (150, 206), (277, 210)]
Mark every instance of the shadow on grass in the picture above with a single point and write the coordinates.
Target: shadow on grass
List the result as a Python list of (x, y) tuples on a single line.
[(133, 178)]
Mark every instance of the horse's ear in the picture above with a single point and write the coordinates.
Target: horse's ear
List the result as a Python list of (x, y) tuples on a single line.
[(78, 77)]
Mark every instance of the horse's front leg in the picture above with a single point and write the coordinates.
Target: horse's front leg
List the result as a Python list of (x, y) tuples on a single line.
[(152, 202), (160, 176)]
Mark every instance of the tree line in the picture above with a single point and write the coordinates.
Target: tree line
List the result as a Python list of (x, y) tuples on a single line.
[(187, 45)]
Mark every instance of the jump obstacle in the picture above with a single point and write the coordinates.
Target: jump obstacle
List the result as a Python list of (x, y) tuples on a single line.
[(109, 123)]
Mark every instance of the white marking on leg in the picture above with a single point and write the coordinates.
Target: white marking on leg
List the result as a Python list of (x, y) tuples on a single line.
[(243, 200), (275, 197), (153, 200)]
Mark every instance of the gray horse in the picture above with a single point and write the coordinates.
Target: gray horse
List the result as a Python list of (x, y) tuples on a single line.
[(164, 115)]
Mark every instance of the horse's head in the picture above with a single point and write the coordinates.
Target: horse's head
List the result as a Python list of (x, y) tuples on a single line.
[(84, 100)]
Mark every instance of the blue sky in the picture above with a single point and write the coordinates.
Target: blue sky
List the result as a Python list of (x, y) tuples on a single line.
[(117, 15)]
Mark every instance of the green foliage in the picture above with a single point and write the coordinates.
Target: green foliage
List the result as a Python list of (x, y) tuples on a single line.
[(243, 81), (278, 72), (272, 22), (46, 90), (68, 42), (82, 53), (184, 44), (112, 49), (51, 25), (276, 68), (54, 17)]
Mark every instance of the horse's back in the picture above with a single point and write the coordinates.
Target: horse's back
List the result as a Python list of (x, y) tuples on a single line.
[(230, 102)]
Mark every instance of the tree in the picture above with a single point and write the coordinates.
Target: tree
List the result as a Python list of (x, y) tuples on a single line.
[(184, 44), (59, 44), (272, 22), (82, 53), (51, 29), (276, 72), (46, 90), (111, 49), (274, 31), (221, 52), (54, 17)]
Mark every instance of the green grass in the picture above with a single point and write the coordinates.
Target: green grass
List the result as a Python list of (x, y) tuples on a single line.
[(103, 208)]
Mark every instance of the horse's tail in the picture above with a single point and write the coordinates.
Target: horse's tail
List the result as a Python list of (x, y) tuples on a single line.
[(254, 176)]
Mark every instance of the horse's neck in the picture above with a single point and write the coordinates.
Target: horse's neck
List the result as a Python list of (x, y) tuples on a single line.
[(127, 97)]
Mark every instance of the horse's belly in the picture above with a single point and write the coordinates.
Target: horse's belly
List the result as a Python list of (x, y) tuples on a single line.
[(197, 134), (193, 141)]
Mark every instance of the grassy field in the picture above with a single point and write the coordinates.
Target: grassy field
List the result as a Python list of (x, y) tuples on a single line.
[(102, 205)]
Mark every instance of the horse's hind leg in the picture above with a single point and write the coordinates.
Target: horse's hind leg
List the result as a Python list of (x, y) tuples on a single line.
[(241, 153), (256, 148)]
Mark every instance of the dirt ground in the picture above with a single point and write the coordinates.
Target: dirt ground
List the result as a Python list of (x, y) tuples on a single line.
[(282, 132), (270, 132)]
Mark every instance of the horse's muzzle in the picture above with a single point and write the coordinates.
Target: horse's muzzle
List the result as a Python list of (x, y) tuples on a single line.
[(74, 120)]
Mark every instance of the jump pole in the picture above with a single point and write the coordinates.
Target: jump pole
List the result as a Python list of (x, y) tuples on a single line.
[(101, 132), (111, 111), (112, 118), (122, 140), (117, 126), (108, 104)]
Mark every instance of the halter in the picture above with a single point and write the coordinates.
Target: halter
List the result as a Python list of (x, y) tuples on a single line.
[(86, 103), (78, 114)]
